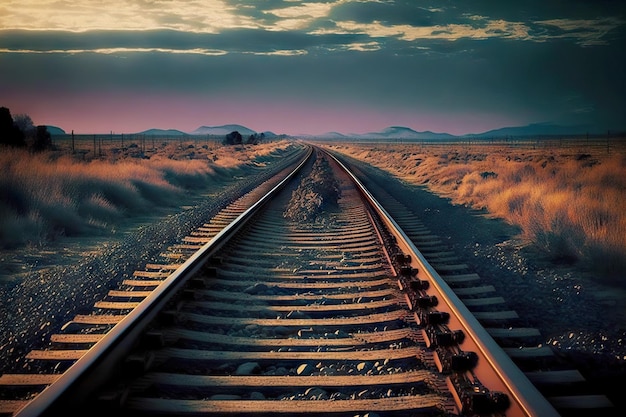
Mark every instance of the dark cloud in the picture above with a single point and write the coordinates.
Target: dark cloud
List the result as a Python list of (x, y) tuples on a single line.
[(529, 10), (567, 70), (400, 13)]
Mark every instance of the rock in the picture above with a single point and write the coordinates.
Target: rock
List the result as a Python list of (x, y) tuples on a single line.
[(341, 334), (305, 332), (281, 371), (257, 288), (305, 369), (327, 371), (282, 331), (251, 328), (255, 395), (297, 314), (363, 367), (315, 393), (248, 368)]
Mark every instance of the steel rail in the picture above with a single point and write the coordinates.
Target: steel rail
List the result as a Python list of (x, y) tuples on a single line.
[(500, 373), (91, 370)]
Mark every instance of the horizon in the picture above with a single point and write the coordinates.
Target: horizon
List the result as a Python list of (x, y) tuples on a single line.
[(349, 66), (522, 131)]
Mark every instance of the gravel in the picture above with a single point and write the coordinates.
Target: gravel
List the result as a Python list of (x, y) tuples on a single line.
[(580, 318), (37, 304)]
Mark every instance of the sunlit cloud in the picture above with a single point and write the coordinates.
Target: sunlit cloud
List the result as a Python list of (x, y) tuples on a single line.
[(364, 46), (285, 52), (432, 9), (300, 16), (451, 32), (113, 51), (584, 32), (83, 15)]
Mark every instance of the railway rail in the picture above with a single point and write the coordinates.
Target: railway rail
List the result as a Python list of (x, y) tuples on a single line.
[(256, 314)]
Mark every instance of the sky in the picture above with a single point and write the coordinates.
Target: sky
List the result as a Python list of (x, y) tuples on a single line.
[(286, 66)]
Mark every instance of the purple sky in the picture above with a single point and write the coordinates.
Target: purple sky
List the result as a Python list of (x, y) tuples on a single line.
[(314, 67)]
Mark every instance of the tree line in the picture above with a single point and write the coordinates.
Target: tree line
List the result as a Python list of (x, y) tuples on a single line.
[(235, 138), (19, 131)]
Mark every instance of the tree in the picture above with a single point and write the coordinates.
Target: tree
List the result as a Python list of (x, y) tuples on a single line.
[(25, 124), (43, 140), (233, 138), (10, 134), (252, 139)]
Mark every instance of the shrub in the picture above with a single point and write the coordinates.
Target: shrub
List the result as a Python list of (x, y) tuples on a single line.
[(570, 205)]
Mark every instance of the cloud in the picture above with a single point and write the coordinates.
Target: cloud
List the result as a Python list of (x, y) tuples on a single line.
[(451, 32), (119, 51), (84, 15), (234, 41), (400, 57), (289, 52), (585, 32)]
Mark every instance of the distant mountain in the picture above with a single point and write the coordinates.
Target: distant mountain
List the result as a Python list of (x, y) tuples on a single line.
[(162, 132), (400, 132), (223, 130), (328, 135), (537, 129), (392, 132), (53, 130)]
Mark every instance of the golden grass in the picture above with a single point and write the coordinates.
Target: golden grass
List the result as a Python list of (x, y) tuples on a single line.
[(569, 202), (46, 195)]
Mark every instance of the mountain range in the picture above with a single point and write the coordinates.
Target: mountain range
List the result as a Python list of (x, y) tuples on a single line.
[(392, 132), (395, 132), (222, 130), (538, 129), (531, 130)]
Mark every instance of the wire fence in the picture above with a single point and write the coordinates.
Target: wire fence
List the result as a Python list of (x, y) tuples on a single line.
[(99, 145), (583, 144)]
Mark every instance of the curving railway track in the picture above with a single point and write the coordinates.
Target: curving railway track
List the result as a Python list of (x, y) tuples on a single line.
[(256, 314)]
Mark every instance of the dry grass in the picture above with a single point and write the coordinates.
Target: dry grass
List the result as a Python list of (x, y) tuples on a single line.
[(43, 196), (570, 203)]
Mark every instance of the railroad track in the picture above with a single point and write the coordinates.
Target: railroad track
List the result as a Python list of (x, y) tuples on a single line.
[(255, 314)]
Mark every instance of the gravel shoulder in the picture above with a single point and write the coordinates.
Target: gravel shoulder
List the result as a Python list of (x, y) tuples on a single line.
[(35, 304), (582, 320)]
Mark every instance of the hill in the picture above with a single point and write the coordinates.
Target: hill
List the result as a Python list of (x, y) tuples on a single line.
[(401, 132), (162, 132), (392, 132), (538, 129), (53, 130), (223, 130)]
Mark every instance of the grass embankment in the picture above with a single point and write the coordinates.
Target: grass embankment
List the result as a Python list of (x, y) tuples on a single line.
[(47, 195), (569, 203)]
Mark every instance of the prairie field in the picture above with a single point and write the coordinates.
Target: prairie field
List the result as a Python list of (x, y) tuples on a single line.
[(569, 201), (48, 195)]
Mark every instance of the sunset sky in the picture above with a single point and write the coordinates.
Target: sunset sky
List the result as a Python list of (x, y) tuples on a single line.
[(286, 66)]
